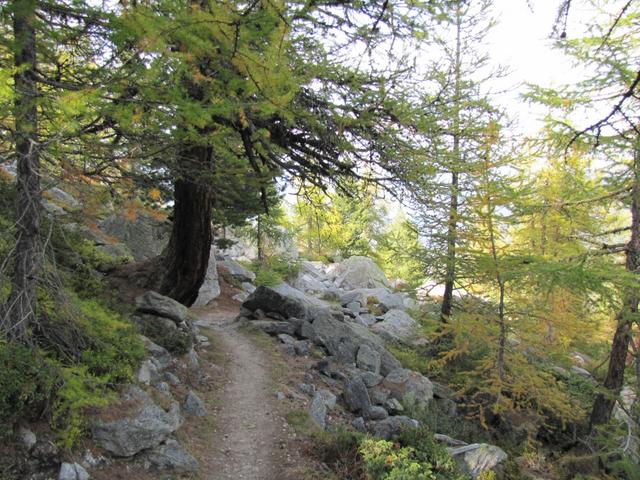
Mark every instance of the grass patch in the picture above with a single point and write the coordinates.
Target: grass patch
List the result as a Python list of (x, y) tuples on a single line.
[(300, 421)]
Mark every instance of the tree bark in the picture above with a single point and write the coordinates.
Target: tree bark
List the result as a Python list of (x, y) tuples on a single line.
[(183, 264), (19, 312), (452, 227), (447, 297), (605, 401)]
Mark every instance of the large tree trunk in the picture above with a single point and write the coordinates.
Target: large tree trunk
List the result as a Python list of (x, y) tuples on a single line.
[(605, 401), (183, 264), (20, 309)]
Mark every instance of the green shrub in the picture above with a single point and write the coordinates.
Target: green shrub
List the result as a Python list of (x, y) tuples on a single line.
[(116, 349), (113, 352), (413, 455), (95, 350), (80, 390), (416, 457), (274, 270), (79, 262), (436, 416), (267, 277), (340, 451), (27, 383)]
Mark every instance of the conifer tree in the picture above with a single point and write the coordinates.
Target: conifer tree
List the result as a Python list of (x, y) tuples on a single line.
[(252, 82), (455, 116), (55, 58), (607, 52)]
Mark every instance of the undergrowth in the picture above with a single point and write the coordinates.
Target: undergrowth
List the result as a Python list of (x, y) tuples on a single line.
[(412, 455), (82, 348), (274, 270)]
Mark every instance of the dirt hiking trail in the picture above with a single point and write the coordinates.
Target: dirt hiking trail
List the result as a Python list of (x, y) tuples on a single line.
[(250, 436)]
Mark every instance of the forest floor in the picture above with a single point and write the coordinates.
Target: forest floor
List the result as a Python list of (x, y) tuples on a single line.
[(247, 436)]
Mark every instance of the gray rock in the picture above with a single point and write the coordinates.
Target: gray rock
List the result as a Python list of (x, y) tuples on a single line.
[(354, 307), (404, 383), (165, 332), (72, 471), (269, 300), (193, 360), (452, 442), (161, 306), (210, 288), (302, 348), (307, 389), (368, 359), (314, 307), (581, 371), (307, 283), (559, 372), (274, 327), (286, 338), (306, 330), (343, 339), (442, 391), (26, 437), (393, 406), (332, 294), (248, 287), (379, 395), (328, 398), (53, 209), (89, 461), (237, 271), (391, 426), (371, 379), (163, 387), (45, 452), (356, 395), (376, 412), (193, 405), (63, 198), (287, 349), (144, 236), (172, 379), (171, 456), (147, 373), (359, 272), (240, 296), (318, 411), (367, 319), (206, 324), (581, 359), (359, 425), (396, 326), (477, 458), (382, 298), (145, 425), (160, 354), (311, 277)]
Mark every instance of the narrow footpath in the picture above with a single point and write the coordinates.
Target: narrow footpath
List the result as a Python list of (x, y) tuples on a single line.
[(248, 428)]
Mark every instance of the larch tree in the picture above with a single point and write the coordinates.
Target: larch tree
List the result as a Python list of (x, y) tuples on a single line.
[(261, 83), (455, 116), (55, 55), (610, 51)]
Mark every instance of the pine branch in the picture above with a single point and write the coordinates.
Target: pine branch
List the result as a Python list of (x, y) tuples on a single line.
[(604, 121)]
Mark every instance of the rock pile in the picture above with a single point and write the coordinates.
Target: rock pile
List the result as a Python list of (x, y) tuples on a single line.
[(346, 315)]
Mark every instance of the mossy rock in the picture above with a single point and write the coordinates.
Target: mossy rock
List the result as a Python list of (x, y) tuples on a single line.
[(165, 332)]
